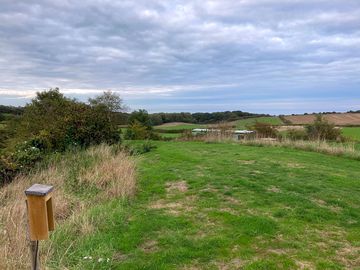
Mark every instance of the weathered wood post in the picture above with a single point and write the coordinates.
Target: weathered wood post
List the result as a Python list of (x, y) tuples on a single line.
[(40, 217)]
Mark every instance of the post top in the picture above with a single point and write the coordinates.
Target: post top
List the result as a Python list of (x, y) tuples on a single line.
[(39, 190)]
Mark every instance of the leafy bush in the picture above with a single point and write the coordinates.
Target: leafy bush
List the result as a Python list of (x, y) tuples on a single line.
[(140, 127), (52, 122), (321, 129), (57, 122), (297, 134), (26, 155), (136, 131), (8, 169)]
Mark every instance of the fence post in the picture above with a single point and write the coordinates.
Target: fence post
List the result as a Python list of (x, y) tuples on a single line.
[(39, 207)]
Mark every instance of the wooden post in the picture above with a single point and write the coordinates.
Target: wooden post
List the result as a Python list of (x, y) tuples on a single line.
[(40, 218)]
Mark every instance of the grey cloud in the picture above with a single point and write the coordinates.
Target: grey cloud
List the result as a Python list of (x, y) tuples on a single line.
[(134, 45)]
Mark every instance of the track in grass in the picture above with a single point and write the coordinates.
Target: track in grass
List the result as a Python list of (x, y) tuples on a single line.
[(227, 206)]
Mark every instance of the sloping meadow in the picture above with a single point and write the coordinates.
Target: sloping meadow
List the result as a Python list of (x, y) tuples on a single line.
[(81, 179)]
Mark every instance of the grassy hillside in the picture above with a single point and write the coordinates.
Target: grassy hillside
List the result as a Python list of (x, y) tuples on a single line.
[(224, 206), (242, 124)]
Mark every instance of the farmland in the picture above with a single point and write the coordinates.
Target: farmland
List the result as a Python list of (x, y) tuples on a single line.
[(339, 119), (225, 206)]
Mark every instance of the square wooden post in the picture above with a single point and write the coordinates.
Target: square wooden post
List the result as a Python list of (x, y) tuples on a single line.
[(40, 217)]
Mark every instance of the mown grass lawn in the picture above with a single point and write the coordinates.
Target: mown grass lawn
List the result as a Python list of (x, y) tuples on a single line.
[(226, 206), (244, 123)]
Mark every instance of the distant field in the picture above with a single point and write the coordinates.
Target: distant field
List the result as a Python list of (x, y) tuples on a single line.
[(170, 135), (351, 132), (242, 124), (341, 119), (179, 125)]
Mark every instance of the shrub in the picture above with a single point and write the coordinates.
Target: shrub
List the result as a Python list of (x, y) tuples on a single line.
[(265, 130), (321, 129), (57, 122), (8, 170), (297, 134), (52, 122)]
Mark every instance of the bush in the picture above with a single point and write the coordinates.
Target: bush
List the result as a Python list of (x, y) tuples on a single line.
[(321, 129), (52, 122), (8, 170), (297, 134), (57, 122), (265, 130)]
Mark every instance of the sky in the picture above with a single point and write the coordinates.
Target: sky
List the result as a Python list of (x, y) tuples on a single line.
[(263, 56)]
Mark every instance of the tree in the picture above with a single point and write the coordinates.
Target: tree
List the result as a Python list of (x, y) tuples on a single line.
[(111, 101), (142, 117)]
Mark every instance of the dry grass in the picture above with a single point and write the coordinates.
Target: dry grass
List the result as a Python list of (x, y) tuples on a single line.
[(113, 174), (347, 150), (335, 149)]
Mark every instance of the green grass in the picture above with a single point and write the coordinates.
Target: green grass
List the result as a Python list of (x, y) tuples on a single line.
[(351, 132), (180, 127), (208, 205), (244, 123), (170, 135)]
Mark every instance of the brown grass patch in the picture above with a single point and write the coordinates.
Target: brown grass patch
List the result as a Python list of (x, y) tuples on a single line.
[(149, 246), (173, 187), (305, 265), (113, 174), (274, 189), (174, 208)]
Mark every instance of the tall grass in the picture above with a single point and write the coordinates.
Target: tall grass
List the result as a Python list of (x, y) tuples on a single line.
[(80, 178), (337, 149)]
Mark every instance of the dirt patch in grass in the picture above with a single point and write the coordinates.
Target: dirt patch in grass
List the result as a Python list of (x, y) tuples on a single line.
[(174, 187), (150, 246), (246, 162), (274, 189), (174, 207), (349, 256), (119, 257), (304, 265), (295, 165), (323, 204), (233, 264)]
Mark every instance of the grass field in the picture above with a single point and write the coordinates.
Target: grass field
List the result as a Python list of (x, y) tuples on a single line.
[(180, 126), (242, 124), (224, 206), (352, 132)]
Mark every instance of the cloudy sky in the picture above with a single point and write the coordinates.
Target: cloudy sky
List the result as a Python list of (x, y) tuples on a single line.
[(273, 56)]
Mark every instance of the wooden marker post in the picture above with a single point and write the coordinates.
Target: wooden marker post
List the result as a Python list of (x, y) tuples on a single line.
[(40, 217)]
